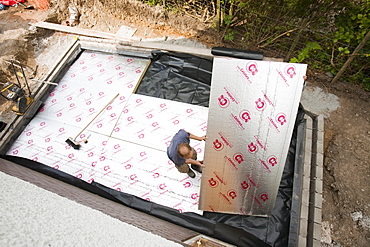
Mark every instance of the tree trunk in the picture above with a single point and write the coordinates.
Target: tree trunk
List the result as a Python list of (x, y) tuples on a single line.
[(218, 15), (351, 57)]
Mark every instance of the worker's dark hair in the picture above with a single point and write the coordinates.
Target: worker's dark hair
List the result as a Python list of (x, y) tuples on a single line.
[(183, 145)]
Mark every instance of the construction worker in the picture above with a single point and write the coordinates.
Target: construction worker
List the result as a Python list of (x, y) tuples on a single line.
[(182, 154)]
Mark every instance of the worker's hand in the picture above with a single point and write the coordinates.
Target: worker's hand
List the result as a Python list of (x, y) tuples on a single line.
[(199, 163), (203, 138)]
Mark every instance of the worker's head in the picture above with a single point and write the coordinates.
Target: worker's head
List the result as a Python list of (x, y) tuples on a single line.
[(184, 150)]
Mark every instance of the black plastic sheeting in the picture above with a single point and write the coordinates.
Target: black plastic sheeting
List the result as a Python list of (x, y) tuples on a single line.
[(179, 77), (186, 78), (237, 53)]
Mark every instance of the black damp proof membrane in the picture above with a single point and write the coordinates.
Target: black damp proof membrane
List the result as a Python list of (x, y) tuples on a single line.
[(186, 78)]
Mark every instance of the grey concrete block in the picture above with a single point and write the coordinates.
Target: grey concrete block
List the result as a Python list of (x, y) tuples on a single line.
[(320, 123), (305, 182), (320, 160), (317, 215), (302, 241), (320, 134), (318, 185), (318, 200), (305, 197), (303, 228), (304, 212), (319, 146), (307, 165), (316, 231), (316, 243), (319, 174), (309, 122)]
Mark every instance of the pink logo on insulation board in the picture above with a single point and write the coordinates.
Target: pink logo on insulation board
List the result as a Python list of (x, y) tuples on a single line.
[(260, 104), (281, 118), (217, 145), (194, 196), (245, 116), (232, 194), (212, 183), (264, 197), (252, 68), (223, 101), (49, 148), (272, 160), (238, 157), (187, 184), (245, 185), (290, 70), (252, 148), (162, 186)]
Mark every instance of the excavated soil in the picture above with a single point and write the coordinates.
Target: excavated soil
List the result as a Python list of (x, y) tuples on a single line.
[(346, 200)]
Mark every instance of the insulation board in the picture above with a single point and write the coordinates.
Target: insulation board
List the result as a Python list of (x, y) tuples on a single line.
[(252, 112), (126, 143)]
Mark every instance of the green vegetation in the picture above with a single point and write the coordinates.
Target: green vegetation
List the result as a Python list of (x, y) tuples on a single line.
[(322, 33)]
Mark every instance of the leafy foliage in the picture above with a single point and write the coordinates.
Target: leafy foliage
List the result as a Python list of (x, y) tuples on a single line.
[(305, 53), (321, 33)]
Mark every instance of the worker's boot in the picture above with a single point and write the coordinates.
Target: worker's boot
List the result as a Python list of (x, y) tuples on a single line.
[(191, 173), (197, 168)]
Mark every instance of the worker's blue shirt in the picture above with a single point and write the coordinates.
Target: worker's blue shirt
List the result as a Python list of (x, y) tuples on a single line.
[(181, 137)]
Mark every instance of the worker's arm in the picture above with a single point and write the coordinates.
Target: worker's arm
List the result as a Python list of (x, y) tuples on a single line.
[(198, 138), (194, 162)]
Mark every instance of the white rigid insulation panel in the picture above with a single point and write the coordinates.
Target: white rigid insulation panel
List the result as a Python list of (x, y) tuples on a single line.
[(126, 143), (253, 107)]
